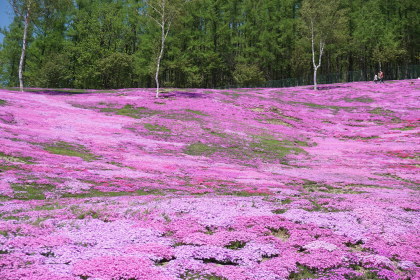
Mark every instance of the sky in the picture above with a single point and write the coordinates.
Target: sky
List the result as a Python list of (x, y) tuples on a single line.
[(6, 15)]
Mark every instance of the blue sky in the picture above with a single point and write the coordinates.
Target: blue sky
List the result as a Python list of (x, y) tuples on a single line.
[(6, 15)]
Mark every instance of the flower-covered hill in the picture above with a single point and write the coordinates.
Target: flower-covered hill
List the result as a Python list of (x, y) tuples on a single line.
[(237, 184)]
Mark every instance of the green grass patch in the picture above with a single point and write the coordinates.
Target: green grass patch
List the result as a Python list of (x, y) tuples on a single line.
[(367, 186), (244, 193), (231, 94), (200, 149), (219, 134), (72, 150), (167, 90), (97, 193), (363, 99), (10, 158), (286, 201), (133, 112), (303, 273), (361, 137), (196, 112), (209, 231), (156, 127), (312, 186), (278, 122), (313, 105), (182, 116), (278, 112), (357, 247), (396, 177), (269, 148), (48, 207), (320, 106), (319, 208), (90, 213), (11, 218), (28, 191), (367, 273), (264, 147), (189, 275), (6, 167), (236, 245), (281, 233), (381, 111), (405, 128), (2, 102), (39, 220), (215, 133), (121, 165), (279, 211), (128, 110), (14, 139)]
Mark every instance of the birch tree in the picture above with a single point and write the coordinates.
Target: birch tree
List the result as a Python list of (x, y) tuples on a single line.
[(162, 13), (323, 22), (28, 11), (23, 9)]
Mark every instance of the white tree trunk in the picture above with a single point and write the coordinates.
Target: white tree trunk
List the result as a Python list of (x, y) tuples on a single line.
[(321, 51), (162, 46), (22, 56), (163, 19), (165, 23)]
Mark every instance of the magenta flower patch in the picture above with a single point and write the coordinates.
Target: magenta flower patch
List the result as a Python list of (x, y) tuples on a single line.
[(233, 184)]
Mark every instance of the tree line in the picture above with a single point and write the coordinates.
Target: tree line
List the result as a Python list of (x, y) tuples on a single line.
[(204, 43)]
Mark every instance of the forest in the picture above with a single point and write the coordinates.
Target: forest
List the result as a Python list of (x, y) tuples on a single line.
[(208, 43)]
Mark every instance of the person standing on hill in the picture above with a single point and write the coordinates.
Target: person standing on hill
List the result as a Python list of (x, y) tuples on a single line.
[(381, 76)]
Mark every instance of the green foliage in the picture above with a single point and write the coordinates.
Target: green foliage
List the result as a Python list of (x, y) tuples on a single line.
[(55, 72), (10, 54), (212, 43), (323, 23), (248, 75), (373, 19), (116, 70)]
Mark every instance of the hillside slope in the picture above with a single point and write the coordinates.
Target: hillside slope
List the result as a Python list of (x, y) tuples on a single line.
[(284, 183)]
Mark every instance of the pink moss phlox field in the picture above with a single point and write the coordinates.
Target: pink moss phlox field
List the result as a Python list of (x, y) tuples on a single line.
[(240, 184)]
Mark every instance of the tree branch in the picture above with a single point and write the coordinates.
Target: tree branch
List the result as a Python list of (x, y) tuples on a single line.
[(313, 43), (321, 51)]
